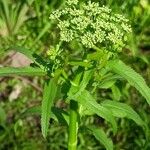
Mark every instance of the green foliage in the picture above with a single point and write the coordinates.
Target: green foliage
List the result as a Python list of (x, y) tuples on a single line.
[(102, 137), (90, 103), (49, 94), (122, 110), (75, 91), (81, 67), (132, 77), (12, 16), (24, 71)]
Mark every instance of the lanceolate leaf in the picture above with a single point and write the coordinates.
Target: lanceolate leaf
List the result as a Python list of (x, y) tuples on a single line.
[(122, 110), (61, 115), (102, 137), (116, 93), (57, 114), (107, 84), (79, 89), (22, 17), (132, 77), (88, 101), (86, 78), (24, 71), (49, 94)]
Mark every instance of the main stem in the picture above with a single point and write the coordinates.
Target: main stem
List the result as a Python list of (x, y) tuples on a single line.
[(73, 126)]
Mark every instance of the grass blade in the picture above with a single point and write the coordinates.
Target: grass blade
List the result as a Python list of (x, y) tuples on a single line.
[(22, 17), (61, 115), (49, 94), (43, 31)]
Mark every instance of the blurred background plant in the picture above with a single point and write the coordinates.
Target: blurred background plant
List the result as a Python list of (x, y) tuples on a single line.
[(26, 23)]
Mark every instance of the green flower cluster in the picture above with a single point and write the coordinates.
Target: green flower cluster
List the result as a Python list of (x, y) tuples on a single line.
[(92, 25), (55, 56)]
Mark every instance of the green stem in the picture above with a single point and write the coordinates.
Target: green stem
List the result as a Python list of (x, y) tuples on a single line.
[(73, 126)]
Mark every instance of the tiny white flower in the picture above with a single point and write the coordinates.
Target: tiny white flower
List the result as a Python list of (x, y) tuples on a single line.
[(91, 25)]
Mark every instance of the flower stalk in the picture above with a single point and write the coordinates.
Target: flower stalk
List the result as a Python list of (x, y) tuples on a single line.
[(73, 126)]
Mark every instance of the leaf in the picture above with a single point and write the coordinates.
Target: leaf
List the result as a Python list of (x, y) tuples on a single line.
[(106, 84), (57, 114), (49, 94), (95, 56), (85, 80), (107, 80), (79, 63), (61, 115), (88, 101), (23, 71), (131, 76), (122, 110), (116, 93), (75, 91), (102, 137)]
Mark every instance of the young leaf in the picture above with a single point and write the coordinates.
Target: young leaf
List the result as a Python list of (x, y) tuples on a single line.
[(61, 115), (88, 101), (79, 63), (86, 78), (131, 76), (116, 94), (102, 137), (24, 71), (79, 89), (107, 80), (49, 94), (107, 84), (122, 110), (22, 17)]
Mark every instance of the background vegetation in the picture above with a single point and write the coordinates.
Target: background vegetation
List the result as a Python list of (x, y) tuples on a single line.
[(26, 23)]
